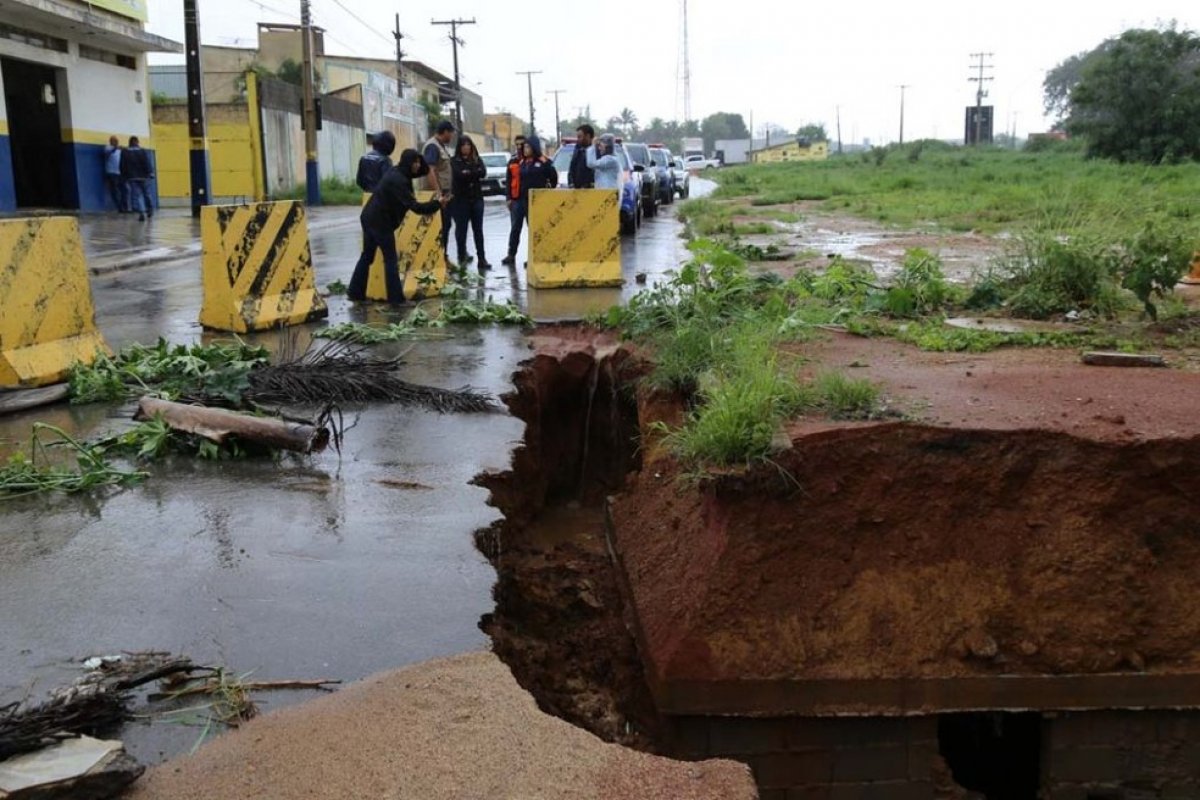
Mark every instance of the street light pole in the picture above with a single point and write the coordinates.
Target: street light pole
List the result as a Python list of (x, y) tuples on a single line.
[(200, 171), (529, 76), (312, 172), (557, 118), (903, 88)]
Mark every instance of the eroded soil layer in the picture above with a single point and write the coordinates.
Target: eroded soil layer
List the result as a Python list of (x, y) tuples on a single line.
[(559, 619), (901, 550)]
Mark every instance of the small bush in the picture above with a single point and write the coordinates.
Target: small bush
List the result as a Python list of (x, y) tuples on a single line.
[(334, 192), (920, 288)]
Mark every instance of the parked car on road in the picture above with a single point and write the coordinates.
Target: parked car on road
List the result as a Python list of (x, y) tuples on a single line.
[(639, 154), (698, 162), (631, 184), (666, 177), (496, 163), (683, 179)]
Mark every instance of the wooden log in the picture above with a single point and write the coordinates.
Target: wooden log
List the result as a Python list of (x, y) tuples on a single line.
[(25, 399), (218, 424), (1123, 360)]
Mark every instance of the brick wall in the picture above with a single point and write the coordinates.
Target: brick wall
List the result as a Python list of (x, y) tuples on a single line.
[(821, 759), (1121, 755)]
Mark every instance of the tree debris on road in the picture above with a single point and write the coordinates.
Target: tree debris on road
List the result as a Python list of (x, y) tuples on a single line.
[(219, 425)]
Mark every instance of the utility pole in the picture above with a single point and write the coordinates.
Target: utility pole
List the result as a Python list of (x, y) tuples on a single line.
[(557, 119), (399, 59), (312, 172), (980, 92), (904, 87), (201, 174), (687, 68), (529, 76), (455, 41), (839, 127)]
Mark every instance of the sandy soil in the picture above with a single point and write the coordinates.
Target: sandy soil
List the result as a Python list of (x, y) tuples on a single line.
[(459, 728)]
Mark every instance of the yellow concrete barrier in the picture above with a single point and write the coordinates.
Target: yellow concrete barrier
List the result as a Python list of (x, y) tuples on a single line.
[(574, 238), (47, 320), (422, 259), (257, 267)]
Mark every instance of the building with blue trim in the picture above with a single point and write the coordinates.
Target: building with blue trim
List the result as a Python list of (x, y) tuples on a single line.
[(72, 74)]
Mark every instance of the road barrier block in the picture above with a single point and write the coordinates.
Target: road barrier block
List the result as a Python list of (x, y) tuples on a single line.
[(422, 259), (47, 320), (257, 267), (574, 238)]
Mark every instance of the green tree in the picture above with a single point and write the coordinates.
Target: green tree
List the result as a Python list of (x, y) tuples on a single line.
[(814, 132), (1137, 97), (628, 121), (434, 112), (290, 71), (722, 125)]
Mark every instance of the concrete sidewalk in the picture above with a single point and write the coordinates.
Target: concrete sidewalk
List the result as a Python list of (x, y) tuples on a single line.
[(115, 242)]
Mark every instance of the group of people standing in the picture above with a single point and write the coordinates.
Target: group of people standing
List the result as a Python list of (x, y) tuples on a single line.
[(127, 174), (456, 176)]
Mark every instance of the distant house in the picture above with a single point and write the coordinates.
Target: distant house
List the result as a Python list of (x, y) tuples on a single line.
[(796, 150)]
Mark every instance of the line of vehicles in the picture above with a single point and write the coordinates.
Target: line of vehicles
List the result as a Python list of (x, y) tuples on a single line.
[(652, 177)]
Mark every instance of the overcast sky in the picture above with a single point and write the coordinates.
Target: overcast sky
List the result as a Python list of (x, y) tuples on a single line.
[(784, 62)]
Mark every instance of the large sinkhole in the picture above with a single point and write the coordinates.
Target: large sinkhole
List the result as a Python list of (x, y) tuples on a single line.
[(893, 608)]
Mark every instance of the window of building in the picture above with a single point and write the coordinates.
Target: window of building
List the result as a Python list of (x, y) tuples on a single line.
[(32, 38), (117, 59)]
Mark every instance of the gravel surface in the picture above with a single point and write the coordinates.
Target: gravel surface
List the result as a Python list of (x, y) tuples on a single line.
[(459, 728)]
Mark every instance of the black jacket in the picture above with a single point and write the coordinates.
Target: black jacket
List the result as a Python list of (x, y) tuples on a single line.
[(371, 169), (537, 172), (580, 175), (135, 164), (468, 178), (394, 197)]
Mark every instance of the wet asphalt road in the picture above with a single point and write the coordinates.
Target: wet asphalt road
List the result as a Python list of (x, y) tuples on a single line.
[(303, 568)]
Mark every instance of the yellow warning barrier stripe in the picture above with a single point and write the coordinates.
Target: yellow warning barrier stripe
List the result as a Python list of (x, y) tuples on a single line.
[(574, 238), (47, 319), (423, 266), (257, 267)]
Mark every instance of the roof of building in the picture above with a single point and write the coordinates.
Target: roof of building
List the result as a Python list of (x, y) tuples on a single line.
[(93, 27)]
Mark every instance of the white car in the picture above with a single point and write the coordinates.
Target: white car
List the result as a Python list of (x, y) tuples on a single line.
[(497, 164), (683, 179), (694, 163)]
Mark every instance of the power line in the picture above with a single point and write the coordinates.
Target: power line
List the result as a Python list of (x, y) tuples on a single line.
[(360, 21)]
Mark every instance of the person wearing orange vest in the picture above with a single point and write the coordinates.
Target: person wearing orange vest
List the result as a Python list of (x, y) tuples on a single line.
[(512, 193)]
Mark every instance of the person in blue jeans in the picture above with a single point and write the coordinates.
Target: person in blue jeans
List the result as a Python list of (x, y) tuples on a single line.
[(137, 172), (112, 175), (392, 200), (535, 172), (469, 172)]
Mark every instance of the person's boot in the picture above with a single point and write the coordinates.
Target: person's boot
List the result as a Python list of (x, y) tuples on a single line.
[(509, 260), (484, 265)]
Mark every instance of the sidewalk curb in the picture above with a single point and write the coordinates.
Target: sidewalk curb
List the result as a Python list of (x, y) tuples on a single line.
[(100, 265)]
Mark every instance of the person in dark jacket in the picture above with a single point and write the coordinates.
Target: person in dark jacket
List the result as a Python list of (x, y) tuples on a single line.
[(137, 173), (537, 172), (580, 175), (469, 172), (393, 198), (512, 193), (375, 164)]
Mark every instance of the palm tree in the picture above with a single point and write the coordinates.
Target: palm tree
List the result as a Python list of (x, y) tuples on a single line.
[(629, 121)]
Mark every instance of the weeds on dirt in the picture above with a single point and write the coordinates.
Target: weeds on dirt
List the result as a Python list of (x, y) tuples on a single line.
[(846, 398), (334, 192)]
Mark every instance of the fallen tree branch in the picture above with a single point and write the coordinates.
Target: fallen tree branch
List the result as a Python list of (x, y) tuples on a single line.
[(208, 687), (218, 425)]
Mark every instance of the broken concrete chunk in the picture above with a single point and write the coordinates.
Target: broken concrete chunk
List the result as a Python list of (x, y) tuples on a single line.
[(75, 768), (1123, 360)]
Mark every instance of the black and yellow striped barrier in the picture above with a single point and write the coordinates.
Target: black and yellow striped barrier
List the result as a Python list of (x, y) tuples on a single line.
[(257, 266), (1193, 276), (422, 260), (574, 238), (47, 320)]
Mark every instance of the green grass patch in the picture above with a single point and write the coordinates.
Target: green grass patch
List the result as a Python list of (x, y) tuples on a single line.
[(334, 192)]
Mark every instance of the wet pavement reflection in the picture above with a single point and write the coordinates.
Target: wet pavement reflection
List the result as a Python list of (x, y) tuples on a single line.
[(302, 568)]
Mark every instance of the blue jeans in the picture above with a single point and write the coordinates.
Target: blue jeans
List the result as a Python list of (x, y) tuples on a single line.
[(139, 196), (374, 241), (118, 191), (468, 212), (516, 216)]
